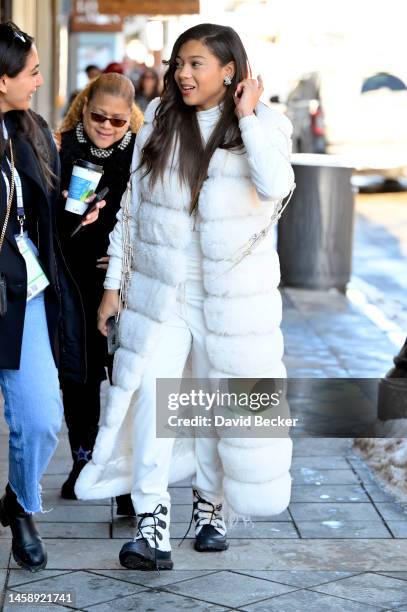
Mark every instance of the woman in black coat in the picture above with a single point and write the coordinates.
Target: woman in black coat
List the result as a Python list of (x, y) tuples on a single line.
[(39, 301), (100, 127)]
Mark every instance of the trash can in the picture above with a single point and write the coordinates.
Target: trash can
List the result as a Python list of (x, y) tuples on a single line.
[(316, 230)]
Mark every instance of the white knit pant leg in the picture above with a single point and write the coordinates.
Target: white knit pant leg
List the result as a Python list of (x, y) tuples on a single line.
[(209, 472), (152, 455), (208, 478)]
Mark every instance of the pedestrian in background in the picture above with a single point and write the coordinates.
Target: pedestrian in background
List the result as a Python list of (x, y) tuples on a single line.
[(148, 88), (92, 71), (100, 128), (35, 290), (114, 67), (210, 165)]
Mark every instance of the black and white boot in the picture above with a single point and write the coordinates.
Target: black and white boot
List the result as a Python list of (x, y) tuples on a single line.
[(210, 528), (151, 548)]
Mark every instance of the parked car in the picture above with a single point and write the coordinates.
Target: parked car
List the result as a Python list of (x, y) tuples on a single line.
[(363, 119)]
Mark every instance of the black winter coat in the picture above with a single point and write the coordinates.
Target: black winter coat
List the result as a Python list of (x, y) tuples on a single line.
[(83, 250), (62, 300)]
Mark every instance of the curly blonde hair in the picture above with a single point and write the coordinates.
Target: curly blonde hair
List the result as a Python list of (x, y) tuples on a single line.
[(110, 83)]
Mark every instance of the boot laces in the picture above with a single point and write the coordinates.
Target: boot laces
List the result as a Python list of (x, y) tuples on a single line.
[(148, 531), (205, 513)]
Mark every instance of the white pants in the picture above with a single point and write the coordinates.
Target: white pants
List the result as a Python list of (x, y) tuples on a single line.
[(182, 334)]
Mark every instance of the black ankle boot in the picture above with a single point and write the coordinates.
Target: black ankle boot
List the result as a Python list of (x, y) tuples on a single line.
[(27, 547), (150, 549), (210, 528), (68, 488)]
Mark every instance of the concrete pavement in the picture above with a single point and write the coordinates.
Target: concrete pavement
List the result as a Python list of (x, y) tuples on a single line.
[(341, 545)]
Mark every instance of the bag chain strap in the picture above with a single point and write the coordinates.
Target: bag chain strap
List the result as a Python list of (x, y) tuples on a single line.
[(254, 240), (127, 251), (10, 198)]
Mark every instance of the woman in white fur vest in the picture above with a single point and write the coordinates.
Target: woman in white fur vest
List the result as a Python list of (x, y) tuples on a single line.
[(211, 164)]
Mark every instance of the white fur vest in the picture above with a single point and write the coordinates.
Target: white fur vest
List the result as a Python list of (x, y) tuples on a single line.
[(242, 311)]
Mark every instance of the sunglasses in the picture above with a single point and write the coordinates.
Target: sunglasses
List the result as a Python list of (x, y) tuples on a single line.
[(97, 118), (20, 36)]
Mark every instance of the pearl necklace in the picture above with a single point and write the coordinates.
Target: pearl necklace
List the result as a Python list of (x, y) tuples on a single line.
[(96, 151)]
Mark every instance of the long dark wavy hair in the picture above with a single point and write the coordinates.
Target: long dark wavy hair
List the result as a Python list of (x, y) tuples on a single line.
[(15, 47), (176, 122)]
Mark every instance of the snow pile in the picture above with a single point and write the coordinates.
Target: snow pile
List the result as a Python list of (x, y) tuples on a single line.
[(387, 456)]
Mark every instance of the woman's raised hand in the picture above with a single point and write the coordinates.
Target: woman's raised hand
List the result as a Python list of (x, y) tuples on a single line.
[(109, 306), (247, 95)]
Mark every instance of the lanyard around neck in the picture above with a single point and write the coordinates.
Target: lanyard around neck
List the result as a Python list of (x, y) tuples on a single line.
[(18, 189), (10, 194)]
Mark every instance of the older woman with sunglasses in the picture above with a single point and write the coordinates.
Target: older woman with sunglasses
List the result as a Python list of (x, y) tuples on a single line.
[(100, 127)]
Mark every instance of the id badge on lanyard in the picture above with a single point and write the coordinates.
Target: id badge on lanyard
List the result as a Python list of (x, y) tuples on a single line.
[(36, 278)]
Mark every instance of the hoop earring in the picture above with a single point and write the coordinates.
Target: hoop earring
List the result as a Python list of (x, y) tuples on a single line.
[(227, 80)]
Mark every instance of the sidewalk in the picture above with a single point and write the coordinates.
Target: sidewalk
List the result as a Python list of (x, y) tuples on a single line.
[(341, 546)]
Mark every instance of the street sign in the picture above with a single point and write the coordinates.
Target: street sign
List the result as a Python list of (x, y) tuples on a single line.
[(149, 7)]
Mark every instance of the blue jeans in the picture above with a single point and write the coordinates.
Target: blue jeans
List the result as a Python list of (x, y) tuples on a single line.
[(33, 408)]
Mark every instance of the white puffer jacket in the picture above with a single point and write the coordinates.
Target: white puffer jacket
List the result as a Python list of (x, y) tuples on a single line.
[(242, 309)]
